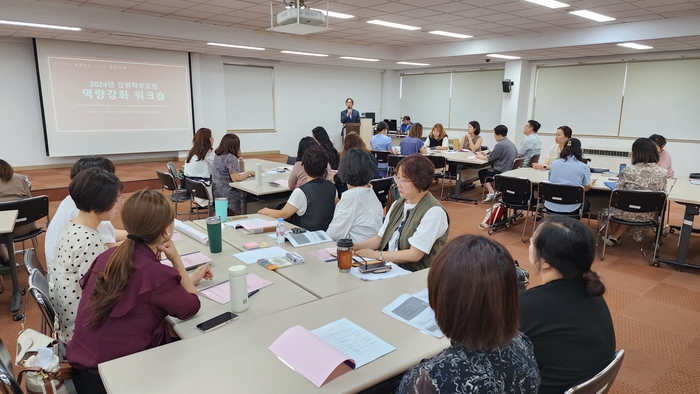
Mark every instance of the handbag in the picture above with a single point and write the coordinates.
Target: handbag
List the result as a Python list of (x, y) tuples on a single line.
[(493, 215)]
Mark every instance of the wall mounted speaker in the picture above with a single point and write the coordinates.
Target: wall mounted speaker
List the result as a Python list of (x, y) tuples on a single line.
[(507, 83)]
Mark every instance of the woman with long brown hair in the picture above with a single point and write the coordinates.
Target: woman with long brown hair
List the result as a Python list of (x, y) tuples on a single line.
[(227, 169), (127, 292), (200, 159), (353, 140)]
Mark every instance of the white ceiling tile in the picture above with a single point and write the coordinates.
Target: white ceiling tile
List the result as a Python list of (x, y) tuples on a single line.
[(155, 8), (443, 18), (450, 7), (674, 8), (420, 13), (514, 7), (497, 17), (124, 4), (392, 7), (197, 15), (476, 12), (421, 3), (212, 9)]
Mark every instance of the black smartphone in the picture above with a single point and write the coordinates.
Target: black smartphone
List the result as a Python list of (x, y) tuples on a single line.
[(217, 321), (376, 268)]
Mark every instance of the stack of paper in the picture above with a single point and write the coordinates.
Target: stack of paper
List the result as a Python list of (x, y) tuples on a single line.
[(253, 256), (190, 232), (415, 311), (393, 273), (308, 238), (221, 292), (190, 260)]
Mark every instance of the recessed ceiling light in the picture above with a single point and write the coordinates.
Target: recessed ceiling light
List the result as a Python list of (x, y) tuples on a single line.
[(634, 45), (392, 24), (503, 56), (592, 15), (448, 34), (235, 46), (549, 3), (29, 24), (304, 53), (413, 64), (334, 14), (364, 59)]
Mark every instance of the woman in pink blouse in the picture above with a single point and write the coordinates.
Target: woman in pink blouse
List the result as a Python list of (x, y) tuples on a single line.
[(664, 156), (128, 292)]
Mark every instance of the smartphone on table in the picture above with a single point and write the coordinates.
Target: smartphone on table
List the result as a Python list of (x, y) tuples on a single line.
[(217, 321), (376, 268)]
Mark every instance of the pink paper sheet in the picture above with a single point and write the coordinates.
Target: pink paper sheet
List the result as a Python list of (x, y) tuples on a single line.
[(282, 182), (221, 293), (326, 255), (190, 259), (176, 237)]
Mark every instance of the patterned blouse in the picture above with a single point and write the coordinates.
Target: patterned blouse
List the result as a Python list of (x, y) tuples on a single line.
[(510, 369), (640, 176)]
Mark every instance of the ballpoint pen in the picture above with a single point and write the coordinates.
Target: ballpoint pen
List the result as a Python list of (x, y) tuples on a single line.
[(252, 293)]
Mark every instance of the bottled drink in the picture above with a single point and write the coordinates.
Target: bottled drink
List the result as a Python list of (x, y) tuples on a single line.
[(344, 254), (280, 232)]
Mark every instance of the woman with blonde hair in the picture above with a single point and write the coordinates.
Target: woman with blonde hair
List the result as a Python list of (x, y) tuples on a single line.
[(437, 139), (128, 292)]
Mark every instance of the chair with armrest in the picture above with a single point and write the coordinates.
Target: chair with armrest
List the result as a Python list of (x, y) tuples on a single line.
[(601, 382), (198, 189), (637, 201), (516, 195), (167, 182), (8, 383)]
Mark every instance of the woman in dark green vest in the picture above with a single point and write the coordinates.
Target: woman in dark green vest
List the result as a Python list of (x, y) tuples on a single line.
[(416, 225)]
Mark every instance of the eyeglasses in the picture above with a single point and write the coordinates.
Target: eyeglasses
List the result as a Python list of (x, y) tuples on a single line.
[(401, 181)]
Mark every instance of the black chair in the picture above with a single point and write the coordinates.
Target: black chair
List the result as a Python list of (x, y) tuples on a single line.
[(382, 188), (8, 383), (534, 159), (381, 156), (484, 147), (291, 160), (516, 195), (30, 210), (198, 189), (393, 161), (561, 194), (177, 195), (517, 163), (440, 163), (637, 201), (39, 289), (603, 380)]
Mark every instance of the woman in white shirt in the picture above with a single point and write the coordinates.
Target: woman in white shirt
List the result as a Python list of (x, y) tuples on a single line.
[(437, 139), (200, 159), (96, 194), (359, 213), (562, 135)]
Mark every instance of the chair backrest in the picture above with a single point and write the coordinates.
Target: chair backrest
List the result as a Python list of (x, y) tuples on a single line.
[(291, 160), (39, 289), (438, 161), (517, 163), (381, 156), (31, 261), (393, 160), (172, 169), (198, 189), (484, 147), (381, 186), (30, 209), (516, 191), (8, 383), (638, 200), (166, 180), (601, 382), (561, 194), (534, 159)]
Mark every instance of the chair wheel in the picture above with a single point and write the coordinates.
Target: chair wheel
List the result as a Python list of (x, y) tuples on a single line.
[(672, 231), (656, 264), (17, 316), (679, 270)]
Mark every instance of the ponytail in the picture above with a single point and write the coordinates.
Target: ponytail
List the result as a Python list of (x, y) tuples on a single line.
[(594, 286), (110, 285)]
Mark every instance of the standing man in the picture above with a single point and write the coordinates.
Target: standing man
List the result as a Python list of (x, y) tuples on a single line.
[(406, 125), (349, 115), (531, 144), (501, 158)]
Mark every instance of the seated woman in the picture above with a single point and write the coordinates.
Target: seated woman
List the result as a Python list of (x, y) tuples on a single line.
[(566, 318), (96, 194), (298, 177), (487, 353), (226, 169), (312, 205), (437, 139), (321, 136), (413, 143), (472, 141), (643, 174), (664, 157), (359, 213), (570, 170), (13, 187), (416, 225), (67, 211), (353, 140), (200, 159), (562, 135), (129, 293)]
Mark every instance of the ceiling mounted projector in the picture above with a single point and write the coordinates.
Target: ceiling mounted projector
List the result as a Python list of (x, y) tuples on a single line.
[(301, 15)]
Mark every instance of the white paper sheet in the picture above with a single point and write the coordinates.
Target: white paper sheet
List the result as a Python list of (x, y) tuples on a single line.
[(415, 311), (353, 341), (393, 273), (190, 232), (253, 256), (307, 238)]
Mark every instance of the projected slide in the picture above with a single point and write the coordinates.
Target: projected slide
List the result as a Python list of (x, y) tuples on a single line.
[(111, 95), (107, 99)]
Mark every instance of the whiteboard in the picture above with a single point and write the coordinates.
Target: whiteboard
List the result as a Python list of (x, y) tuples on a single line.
[(426, 98), (476, 95), (249, 95), (586, 98), (662, 97)]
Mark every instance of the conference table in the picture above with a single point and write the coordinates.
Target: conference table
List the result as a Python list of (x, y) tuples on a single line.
[(235, 358), (7, 226), (688, 194), (265, 191), (537, 176), (461, 161)]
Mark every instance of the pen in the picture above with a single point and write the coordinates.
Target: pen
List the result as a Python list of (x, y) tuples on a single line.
[(187, 254), (252, 293)]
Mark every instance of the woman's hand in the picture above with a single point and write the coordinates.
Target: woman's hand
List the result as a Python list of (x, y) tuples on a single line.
[(264, 211), (202, 272), (538, 166), (368, 253), (168, 249)]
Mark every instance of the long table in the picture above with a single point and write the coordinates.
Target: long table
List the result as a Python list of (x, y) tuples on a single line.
[(537, 176), (236, 356), (252, 191), (685, 193), (461, 161), (281, 295)]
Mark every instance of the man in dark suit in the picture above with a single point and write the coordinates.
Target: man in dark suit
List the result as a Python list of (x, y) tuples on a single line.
[(349, 115)]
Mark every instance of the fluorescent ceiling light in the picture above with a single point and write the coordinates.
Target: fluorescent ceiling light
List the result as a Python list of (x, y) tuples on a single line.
[(448, 34), (392, 24), (413, 64), (334, 14), (364, 59), (634, 45), (592, 15), (235, 46), (549, 3), (28, 24), (304, 53), (503, 56)]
